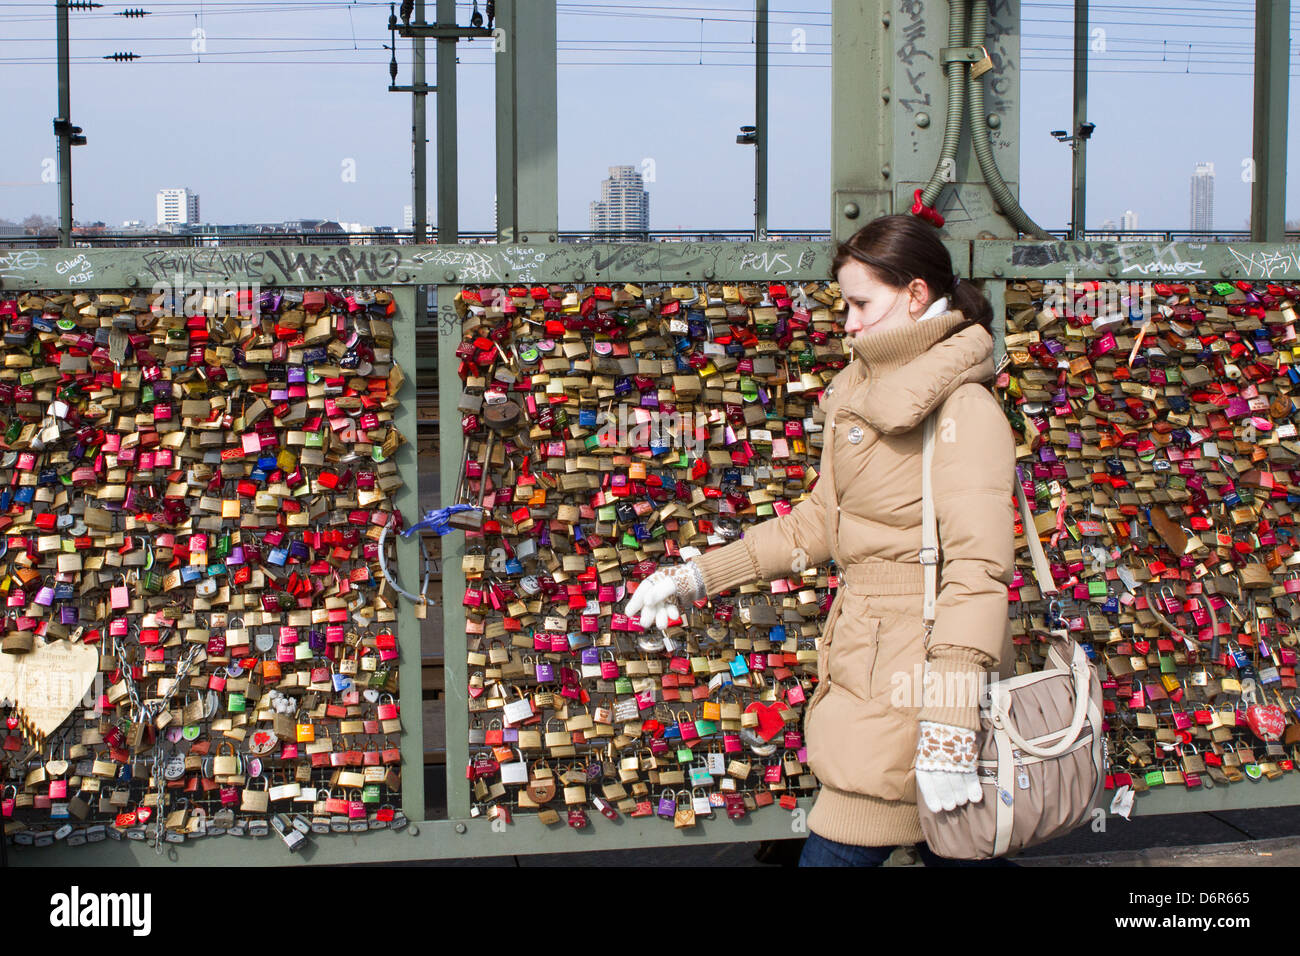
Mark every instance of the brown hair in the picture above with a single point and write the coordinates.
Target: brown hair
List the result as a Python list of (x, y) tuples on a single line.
[(898, 249)]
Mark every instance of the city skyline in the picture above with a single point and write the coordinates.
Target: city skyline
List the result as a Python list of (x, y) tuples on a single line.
[(357, 166)]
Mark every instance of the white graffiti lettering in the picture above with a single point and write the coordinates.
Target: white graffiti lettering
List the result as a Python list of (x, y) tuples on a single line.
[(1268, 262)]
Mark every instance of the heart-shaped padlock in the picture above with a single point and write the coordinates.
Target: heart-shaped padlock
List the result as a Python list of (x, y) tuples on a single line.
[(1266, 721)]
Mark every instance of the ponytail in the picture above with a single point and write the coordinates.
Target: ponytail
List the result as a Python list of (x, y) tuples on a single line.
[(967, 298)]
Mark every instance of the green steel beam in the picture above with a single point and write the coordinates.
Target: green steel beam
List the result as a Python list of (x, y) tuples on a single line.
[(1136, 261), (1272, 76), (527, 121), (448, 170), (861, 134), (760, 118), (451, 448), (1079, 159), (466, 838), (391, 266), (419, 137), (409, 565), (889, 98)]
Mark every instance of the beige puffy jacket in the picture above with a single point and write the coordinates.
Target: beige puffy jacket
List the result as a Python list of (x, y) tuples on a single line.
[(865, 513)]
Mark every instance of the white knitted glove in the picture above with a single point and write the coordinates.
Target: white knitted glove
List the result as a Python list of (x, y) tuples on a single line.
[(657, 597), (945, 766)]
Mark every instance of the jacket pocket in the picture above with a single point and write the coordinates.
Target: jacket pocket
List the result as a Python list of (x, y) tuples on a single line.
[(852, 656), (899, 670)]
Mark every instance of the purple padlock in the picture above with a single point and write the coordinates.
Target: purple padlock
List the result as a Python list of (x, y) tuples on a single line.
[(667, 806), (68, 614), (545, 671)]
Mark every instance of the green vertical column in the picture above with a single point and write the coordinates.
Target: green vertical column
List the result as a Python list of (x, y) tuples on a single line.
[(1272, 59), (452, 447), (861, 134), (409, 566), (527, 122)]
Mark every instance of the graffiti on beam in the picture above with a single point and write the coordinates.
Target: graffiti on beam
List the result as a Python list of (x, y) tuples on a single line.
[(470, 265), (1143, 258), (214, 264), (1163, 260), (1097, 255), (341, 266), (76, 270), (1266, 263), (520, 261), (17, 261), (770, 263), (913, 32)]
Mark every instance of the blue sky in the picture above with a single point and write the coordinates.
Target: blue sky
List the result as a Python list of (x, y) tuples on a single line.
[(262, 122)]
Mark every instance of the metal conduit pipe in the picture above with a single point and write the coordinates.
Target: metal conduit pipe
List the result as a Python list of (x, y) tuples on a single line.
[(956, 106), (980, 135)]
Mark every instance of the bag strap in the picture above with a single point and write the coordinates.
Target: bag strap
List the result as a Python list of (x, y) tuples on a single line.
[(929, 531), (929, 554)]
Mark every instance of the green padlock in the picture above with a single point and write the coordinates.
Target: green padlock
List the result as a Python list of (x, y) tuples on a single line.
[(370, 793), (236, 703), (378, 678), (1167, 665), (1096, 589), (685, 755), (706, 728), (1154, 778), (623, 685)]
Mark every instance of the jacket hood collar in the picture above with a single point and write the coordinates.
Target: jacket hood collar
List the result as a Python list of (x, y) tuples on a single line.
[(907, 372)]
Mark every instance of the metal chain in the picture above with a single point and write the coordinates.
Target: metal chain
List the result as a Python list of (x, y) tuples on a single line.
[(182, 668), (145, 713)]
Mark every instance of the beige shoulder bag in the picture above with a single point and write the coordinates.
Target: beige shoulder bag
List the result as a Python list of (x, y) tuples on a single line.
[(1041, 756)]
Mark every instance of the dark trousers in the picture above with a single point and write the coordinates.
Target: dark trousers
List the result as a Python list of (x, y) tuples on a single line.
[(819, 851)]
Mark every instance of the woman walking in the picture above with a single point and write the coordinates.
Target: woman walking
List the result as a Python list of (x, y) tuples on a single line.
[(922, 343)]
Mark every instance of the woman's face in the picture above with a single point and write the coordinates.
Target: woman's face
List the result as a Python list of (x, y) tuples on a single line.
[(876, 307)]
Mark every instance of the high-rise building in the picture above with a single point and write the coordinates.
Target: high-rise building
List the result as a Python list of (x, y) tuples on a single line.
[(1203, 197), (1129, 221), (408, 217), (178, 206), (624, 204)]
